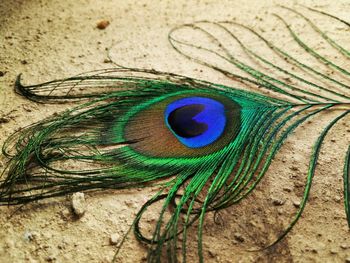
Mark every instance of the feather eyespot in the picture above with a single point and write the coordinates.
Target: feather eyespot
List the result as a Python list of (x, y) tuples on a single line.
[(196, 121), (181, 125)]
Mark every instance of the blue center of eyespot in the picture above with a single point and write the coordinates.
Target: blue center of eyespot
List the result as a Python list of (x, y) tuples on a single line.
[(196, 121)]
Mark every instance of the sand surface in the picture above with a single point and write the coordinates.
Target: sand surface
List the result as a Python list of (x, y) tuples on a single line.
[(46, 40)]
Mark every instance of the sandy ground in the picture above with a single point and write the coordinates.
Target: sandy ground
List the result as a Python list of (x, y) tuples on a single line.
[(45, 40)]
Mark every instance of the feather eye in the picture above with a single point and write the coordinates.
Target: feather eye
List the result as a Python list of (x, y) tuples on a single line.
[(210, 144), (188, 123)]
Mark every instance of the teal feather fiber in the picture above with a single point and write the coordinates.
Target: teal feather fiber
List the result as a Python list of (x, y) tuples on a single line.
[(113, 138)]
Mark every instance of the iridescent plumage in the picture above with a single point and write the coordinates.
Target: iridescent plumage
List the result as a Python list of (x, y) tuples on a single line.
[(211, 143)]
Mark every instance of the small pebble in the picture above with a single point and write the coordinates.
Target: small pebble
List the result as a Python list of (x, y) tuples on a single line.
[(337, 199), (344, 246), (29, 236), (278, 201), (287, 189), (296, 204), (114, 239), (50, 259), (239, 237), (78, 204), (4, 120), (102, 24), (212, 254), (314, 250), (333, 251), (347, 260)]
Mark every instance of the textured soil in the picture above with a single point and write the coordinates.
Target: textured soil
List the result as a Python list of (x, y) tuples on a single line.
[(46, 40)]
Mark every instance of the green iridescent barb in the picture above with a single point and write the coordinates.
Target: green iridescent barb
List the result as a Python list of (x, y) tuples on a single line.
[(207, 146)]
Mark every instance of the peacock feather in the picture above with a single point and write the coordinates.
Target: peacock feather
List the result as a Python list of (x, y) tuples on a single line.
[(206, 146)]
